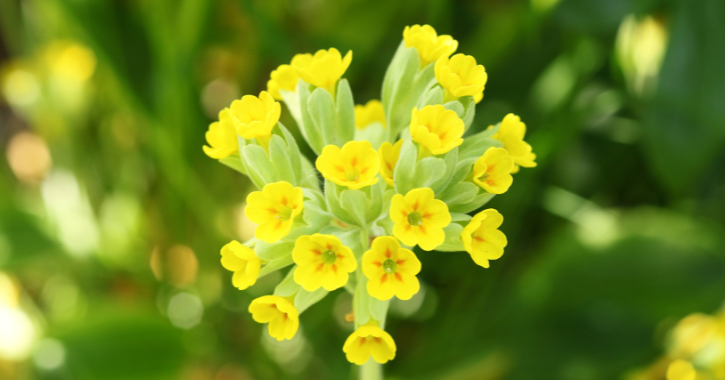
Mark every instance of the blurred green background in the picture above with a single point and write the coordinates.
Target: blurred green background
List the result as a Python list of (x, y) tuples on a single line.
[(111, 216)]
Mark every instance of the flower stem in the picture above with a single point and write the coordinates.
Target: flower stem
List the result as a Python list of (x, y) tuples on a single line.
[(371, 370)]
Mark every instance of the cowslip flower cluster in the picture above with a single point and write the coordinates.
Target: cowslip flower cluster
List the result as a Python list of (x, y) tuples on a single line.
[(397, 174)]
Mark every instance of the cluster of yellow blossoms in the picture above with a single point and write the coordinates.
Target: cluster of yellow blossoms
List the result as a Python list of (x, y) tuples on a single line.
[(695, 351), (355, 231)]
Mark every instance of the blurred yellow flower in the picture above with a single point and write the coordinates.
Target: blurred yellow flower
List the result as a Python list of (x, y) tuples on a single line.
[(419, 218), (323, 69), (369, 113), (390, 270), (492, 171), (681, 370), (356, 165), (274, 209), (280, 313), (389, 155), (436, 128), (428, 43), (482, 238), (255, 117), (511, 134), (461, 76), (369, 340), (222, 137), (284, 78), (241, 260), (322, 261)]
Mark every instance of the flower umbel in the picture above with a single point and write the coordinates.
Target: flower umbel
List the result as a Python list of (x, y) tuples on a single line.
[(371, 112), (461, 76), (437, 129), (511, 133), (274, 209), (419, 218), (369, 341), (281, 314), (255, 117), (355, 166), (492, 171), (222, 137), (429, 44), (391, 270), (322, 261), (283, 78), (323, 69), (241, 260), (482, 238), (389, 155)]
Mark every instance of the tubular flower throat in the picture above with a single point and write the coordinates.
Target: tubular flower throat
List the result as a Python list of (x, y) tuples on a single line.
[(369, 341), (284, 78), (222, 137), (390, 270), (437, 129), (511, 133), (281, 314), (428, 43), (419, 218), (492, 171), (274, 209), (241, 260), (255, 117), (371, 112), (482, 238), (323, 69), (389, 154), (461, 76), (322, 261), (355, 166)]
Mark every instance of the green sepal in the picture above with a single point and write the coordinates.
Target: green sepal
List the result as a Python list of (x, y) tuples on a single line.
[(308, 128), (234, 162), (475, 146), (450, 161), (453, 242), (288, 287), (361, 301), (309, 175), (459, 193), (375, 133), (257, 162), (404, 83), (281, 162), (333, 202), (305, 299), (292, 100), (378, 310), (411, 173), (271, 252), (431, 97), (315, 212), (478, 201), (345, 114), (323, 115), (275, 265), (357, 207), (295, 157)]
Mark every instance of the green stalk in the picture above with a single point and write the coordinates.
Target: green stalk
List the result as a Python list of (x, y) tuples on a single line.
[(371, 370)]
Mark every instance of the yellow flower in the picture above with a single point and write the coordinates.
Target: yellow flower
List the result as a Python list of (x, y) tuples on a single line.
[(356, 165), (281, 314), (390, 270), (284, 78), (461, 76), (389, 154), (492, 171), (369, 340), (274, 209), (323, 69), (511, 134), (419, 218), (255, 117), (429, 44), (222, 137), (241, 260), (369, 113), (322, 261), (482, 238), (436, 128)]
